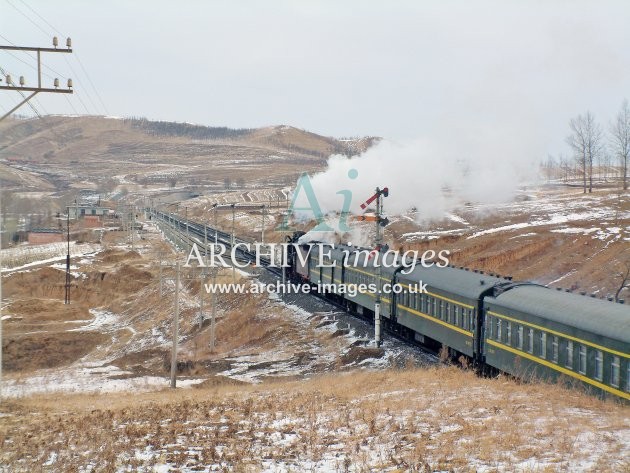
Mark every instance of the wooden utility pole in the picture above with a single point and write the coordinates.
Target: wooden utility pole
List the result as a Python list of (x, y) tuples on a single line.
[(201, 290), (133, 226), (213, 317), (67, 296), (175, 331), (35, 90), (215, 270), (262, 231), (160, 274), (232, 243)]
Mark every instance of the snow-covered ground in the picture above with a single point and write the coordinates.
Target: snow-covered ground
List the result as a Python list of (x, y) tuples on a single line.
[(28, 256), (598, 212)]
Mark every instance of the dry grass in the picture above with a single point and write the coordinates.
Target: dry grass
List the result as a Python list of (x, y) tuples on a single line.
[(396, 420)]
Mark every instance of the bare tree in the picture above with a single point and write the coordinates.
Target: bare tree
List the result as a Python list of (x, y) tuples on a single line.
[(548, 167), (624, 278), (620, 140), (565, 167), (586, 142)]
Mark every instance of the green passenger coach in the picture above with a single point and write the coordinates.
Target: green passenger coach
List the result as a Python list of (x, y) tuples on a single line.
[(535, 331)]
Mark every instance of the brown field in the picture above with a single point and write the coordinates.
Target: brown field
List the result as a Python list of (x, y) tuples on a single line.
[(421, 420)]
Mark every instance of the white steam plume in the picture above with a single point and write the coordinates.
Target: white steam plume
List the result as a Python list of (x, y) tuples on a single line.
[(434, 179)]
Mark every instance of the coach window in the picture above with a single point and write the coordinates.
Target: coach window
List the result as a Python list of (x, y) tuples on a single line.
[(508, 333), (599, 365), (530, 340), (569, 363), (543, 345), (614, 372), (519, 334), (499, 330), (447, 311), (554, 349), (628, 376), (582, 359)]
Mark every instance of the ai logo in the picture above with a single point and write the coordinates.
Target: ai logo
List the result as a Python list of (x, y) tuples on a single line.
[(305, 187)]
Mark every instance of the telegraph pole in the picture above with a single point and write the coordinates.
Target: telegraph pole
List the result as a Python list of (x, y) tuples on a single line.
[(160, 274), (175, 332), (262, 231), (214, 309), (67, 297), (232, 244), (22, 82), (201, 289), (35, 90), (133, 225), (0, 303), (215, 271)]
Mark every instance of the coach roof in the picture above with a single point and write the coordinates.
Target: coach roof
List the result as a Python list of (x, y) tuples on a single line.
[(605, 318)]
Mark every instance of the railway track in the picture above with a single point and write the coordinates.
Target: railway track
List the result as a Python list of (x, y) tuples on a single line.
[(189, 232)]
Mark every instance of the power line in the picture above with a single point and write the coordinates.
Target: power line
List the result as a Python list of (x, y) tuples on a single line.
[(46, 74), (82, 102), (85, 72), (10, 82), (42, 64), (24, 62), (72, 105), (33, 57), (28, 18), (34, 90), (41, 17), (77, 75), (39, 104), (92, 84)]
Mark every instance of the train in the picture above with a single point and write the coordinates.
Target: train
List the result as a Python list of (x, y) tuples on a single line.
[(491, 323), (483, 320)]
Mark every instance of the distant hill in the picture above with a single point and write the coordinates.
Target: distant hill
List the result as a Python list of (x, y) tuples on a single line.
[(63, 150)]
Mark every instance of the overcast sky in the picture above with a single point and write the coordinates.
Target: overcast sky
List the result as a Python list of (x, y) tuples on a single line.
[(503, 70)]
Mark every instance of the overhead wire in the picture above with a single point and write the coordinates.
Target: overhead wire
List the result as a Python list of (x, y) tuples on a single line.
[(46, 66), (41, 17), (91, 83), (27, 17), (85, 72), (77, 75), (10, 82), (32, 106)]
